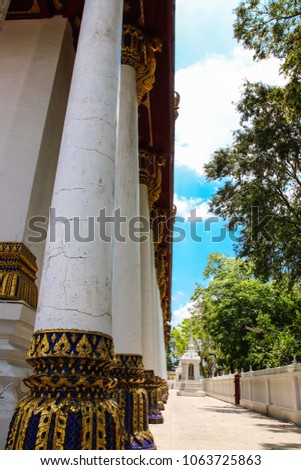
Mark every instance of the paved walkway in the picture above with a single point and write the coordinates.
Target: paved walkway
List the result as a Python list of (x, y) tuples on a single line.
[(205, 423)]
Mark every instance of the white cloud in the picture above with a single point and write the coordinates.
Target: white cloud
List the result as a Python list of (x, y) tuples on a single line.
[(178, 295), (181, 313), (199, 8), (207, 114), (186, 205)]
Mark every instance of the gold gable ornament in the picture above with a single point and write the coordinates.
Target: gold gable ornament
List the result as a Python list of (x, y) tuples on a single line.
[(18, 274)]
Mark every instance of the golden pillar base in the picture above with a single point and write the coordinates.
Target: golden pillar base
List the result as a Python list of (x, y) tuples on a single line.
[(152, 384), (133, 402), (165, 391), (69, 407), (160, 395)]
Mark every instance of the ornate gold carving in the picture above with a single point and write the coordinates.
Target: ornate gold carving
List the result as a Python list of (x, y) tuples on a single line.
[(142, 16), (42, 346), (147, 103), (44, 410), (133, 401), (164, 391), (158, 216), (150, 173), (71, 344), (176, 104), (138, 52), (58, 5), (18, 274), (129, 361), (126, 7), (77, 22), (156, 188), (84, 348), (62, 347), (146, 73), (161, 261), (152, 383), (70, 405), (174, 212), (133, 46)]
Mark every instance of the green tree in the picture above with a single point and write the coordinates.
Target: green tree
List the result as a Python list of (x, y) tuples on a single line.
[(272, 28), (261, 177), (180, 338), (271, 346), (248, 320), (169, 357), (261, 170)]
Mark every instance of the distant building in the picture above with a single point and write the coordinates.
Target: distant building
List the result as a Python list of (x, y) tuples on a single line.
[(188, 379)]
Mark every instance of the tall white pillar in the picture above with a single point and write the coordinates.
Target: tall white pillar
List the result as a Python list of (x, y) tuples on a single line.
[(159, 293), (127, 318), (76, 282), (136, 79), (162, 364), (127, 321), (152, 323), (74, 321), (156, 327), (148, 311)]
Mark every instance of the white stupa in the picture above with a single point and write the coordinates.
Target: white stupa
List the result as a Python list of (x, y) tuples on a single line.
[(189, 381)]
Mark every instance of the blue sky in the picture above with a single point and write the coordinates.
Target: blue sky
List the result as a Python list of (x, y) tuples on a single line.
[(210, 70)]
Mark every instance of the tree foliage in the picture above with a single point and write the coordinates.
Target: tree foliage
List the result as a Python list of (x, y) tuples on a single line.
[(272, 28), (261, 170), (251, 323), (261, 195)]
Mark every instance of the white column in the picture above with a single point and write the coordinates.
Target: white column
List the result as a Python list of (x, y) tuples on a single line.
[(267, 391), (162, 351), (76, 281), (156, 335), (159, 355), (152, 326), (127, 322), (296, 392), (148, 311)]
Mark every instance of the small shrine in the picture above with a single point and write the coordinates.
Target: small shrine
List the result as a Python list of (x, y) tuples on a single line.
[(188, 378)]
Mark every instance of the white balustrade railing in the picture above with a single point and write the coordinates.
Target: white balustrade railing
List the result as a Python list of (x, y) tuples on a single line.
[(273, 391), (221, 387)]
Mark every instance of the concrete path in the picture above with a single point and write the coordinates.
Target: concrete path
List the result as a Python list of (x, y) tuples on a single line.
[(205, 423)]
